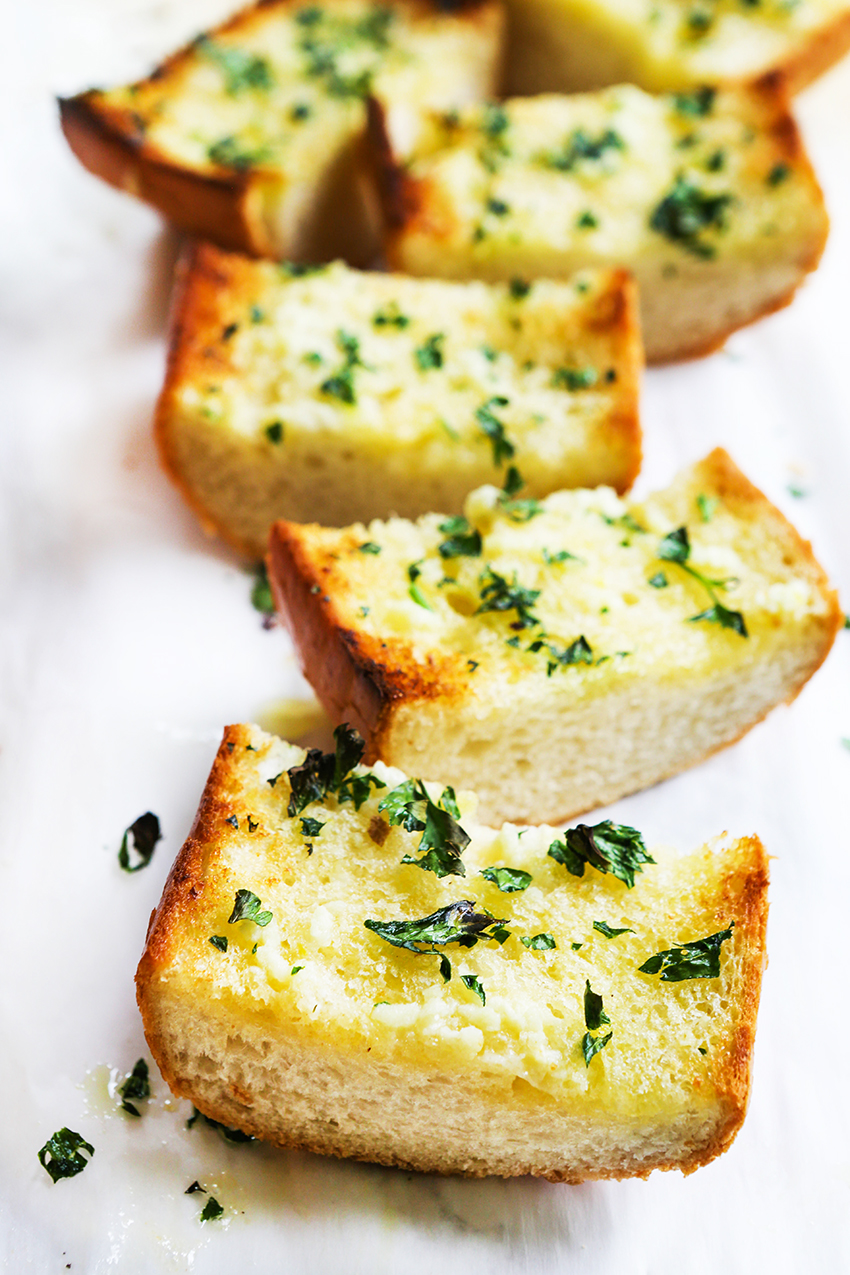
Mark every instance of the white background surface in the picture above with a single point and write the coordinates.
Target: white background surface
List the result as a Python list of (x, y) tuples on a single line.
[(127, 641)]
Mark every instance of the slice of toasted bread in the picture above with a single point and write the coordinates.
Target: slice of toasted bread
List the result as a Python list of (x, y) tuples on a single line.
[(708, 198), (310, 1024), (566, 657), (566, 46), (250, 136), (343, 396)]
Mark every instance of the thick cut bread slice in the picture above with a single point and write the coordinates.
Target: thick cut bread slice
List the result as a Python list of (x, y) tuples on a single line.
[(557, 660), (343, 396), (251, 135), (313, 1031), (566, 46), (708, 198)]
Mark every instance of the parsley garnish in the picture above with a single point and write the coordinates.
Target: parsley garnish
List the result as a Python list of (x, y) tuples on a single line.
[(538, 942), (443, 840), (456, 923), (261, 591), (707, 506), (686, 212), (594, 1018), (517, 510), (578, 652), (499, 594), (462, 539), (579, 146), (228, 152), (61, 1155), (676, 547), (696, 104), (369, 546), (778, 174), (230, 1135), (587, 220), (321, 773), (390, 317), (144, 833), (219, 941), (574, 378), (508, 880), (608, 847), (698, 959), (472, 982), (241, 70), (212, 1209), (136, 1086), (553, 559), (658, 581), (196, 1186), (341, 384), (246, 907), (310, 827), (430, 355), (609, 931), (274, 432), (416, 595), (519, 289), (503, 448)]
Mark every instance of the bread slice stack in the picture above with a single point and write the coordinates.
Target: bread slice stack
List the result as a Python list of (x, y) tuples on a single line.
[(567, 45), (554, 656), (708, 197), (570, 1005), (250, 136), (342, 396)]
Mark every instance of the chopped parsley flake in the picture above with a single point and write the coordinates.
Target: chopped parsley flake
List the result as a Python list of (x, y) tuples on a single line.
[(517, 510), (778, 174), (211, 1210), (609, 931), (698, 959), (430, 354), (456, 923), (676, 547), (136, 1086), (416, 595), (658, 581), (219, 941), (707, 506), (508, 880), (390, 317), (261, 591), (247, 907), (144, 833), (62, 1154), (503, 448), (228, 152), (369, 546), (322, 773), (697, 104), (341, 384), (580, 147), (443, 840), (500, 594), (473, 983), (310, 827), (538, 942), (608, 847), (241, 70), (686, 212), (519, 289), (274, 432), (462, 540)]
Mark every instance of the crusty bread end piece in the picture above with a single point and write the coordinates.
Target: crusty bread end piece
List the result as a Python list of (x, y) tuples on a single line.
[(708, 198), (342, 396), (310, 1030), (571, 659), (251, 136)]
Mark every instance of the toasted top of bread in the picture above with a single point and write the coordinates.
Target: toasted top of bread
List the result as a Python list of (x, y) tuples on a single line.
[(671, 44), (704, 195), (269, 100), (303, 379), (485, 608), (315, 974)]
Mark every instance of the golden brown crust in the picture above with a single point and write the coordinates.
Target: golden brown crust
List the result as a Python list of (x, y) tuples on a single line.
[(821, 50)]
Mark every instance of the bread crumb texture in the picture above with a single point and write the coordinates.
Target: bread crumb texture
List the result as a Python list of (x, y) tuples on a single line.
[(555, 655), (312, 1030), (330, 392), (708, 197)]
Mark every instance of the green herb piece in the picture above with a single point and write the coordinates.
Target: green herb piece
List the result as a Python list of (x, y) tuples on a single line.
[(686, 212), (219, 941), (417, 596), (228, 152), (591, 1045), (508, 880), (310, 827), (430, 355), (576, 947), (462, 540), (472, 982), (247, 907), (578, 652), (369, 546), (698, 959), (256, 314), (497, 207), (716, 162), (580, 147), (574, 378), (299, 112), (390, 317), (274, 432), (456, 923), (778, 174), (62, 1155), (321, 773), (144, 833), (196, 1186), (136, 1086), (503, 448), (241, 70), (609, 931), (519, 289), (707, 506), (517, 510), (499, 594), (311, 781), (358, 789), (702, 1049), (494, 120), (594, 1015), (658, 581), (538, 942), (608, 847), (296, 969), (676, 547), (501, 935), (795, 491), (697, 104), (341, 384), (587, 221), (235, 1136), (261, 591), (553, 559), (229, 331), (211, 1210), (443, 840)]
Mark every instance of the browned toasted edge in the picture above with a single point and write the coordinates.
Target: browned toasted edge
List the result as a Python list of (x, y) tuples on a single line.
[(774, 93), (205, 280), (184, 886), (399, 194), (823, 48), (357, 678), (617, 311)]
